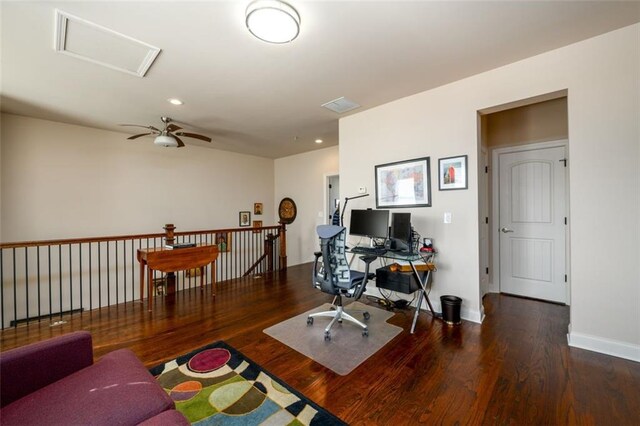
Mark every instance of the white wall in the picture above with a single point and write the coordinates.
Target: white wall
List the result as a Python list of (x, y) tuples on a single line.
[(65, 181), (301, 177), (602, 77)]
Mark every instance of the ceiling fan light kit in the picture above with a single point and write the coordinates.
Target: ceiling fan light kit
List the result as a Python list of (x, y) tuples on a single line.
[(166, 141), (272, 21), (170, 136)]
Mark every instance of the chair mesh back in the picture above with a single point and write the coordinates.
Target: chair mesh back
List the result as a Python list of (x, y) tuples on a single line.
[(335, 271), (339, 264)]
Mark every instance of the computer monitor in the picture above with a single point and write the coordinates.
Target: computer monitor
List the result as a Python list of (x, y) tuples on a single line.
[(369, 223), (400, 232)]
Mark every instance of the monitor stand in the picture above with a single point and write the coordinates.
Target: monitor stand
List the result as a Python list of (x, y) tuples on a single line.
[(399, 245)]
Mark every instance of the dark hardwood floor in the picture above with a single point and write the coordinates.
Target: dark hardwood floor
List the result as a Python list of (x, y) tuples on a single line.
[(515, 368)]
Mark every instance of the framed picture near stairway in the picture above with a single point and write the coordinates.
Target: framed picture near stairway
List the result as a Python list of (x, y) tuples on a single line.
[(244, 218), (223, 241)]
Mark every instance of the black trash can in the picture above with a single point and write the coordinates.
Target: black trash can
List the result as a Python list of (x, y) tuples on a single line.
[(451, 309)]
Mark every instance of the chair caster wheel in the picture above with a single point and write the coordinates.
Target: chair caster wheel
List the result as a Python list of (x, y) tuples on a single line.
[(310, 321), (365, 333), (327, 336), (366, 316)]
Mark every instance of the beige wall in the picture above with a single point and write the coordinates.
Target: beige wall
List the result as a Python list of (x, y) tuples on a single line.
[(63, 181), (602, 78), (302, 177)]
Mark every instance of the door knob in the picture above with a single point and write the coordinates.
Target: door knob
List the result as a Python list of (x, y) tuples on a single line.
[(505, 229)]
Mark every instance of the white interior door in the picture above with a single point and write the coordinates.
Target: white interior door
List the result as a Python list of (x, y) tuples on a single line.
[(532, 223)]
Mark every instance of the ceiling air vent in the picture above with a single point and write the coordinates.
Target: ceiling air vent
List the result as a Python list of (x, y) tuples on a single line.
[(91, 42), (341, 105)]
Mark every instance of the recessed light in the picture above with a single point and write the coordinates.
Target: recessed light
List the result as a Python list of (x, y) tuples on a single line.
[(175, 101), (318, 140)]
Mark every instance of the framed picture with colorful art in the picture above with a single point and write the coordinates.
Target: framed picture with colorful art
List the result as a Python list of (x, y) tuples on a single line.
[(257, 224), (403, 184), (452, 173)]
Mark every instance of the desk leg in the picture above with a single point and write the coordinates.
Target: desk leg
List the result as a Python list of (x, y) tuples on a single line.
[(423, 293), (213, 278), (150, 288), (142, 263), (426, 296), (415, 315)]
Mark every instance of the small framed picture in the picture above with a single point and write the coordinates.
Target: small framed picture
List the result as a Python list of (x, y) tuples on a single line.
[(223, 241), (257, 208), (452, 173), (257, 224), (244, 218)]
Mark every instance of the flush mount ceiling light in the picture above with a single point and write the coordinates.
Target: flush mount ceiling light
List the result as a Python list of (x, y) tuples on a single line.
[(272, 21), (318, 140), (175, 101)]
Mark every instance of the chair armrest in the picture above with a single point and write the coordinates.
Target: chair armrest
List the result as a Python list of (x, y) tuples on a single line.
[(29, 368), (367, 276), (314, 271)]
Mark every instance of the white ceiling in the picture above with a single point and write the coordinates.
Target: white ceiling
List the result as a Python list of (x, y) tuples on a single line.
[(263, 99)]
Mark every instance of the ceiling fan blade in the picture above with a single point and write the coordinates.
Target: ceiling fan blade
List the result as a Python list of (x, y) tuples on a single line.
[(144, 127), (195, 136), (172, 127), (180, 143), (137, 136)]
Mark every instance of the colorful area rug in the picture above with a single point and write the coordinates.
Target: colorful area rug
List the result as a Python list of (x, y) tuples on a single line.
[(217, 385)]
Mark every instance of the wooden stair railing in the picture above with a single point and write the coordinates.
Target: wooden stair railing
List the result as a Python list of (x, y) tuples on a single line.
[(40, 280)]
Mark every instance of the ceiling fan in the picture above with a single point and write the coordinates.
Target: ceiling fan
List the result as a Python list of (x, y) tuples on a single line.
[(170, 136)]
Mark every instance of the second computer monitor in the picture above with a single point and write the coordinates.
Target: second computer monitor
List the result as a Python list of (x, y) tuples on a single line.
[(400, 233), (369, 223)]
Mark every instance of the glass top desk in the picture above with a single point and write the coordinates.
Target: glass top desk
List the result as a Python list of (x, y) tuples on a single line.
[(421, 278)]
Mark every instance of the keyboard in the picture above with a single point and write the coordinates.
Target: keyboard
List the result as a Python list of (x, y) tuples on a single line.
[(376, 251)]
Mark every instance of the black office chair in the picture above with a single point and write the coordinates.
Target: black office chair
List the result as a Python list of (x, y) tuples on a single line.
[(331, 274)]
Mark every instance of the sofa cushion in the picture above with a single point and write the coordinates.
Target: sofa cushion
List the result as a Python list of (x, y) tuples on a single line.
[(167, 418), (26, 369), (116, 390)]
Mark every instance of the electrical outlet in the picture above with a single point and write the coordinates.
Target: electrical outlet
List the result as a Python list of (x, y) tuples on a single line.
[(362, 190), (447, 217)]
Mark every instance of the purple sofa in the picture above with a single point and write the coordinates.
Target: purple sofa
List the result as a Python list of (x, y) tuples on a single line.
[(56, 382)]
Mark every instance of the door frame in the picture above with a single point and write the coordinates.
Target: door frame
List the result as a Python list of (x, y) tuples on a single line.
[(325, 196), (495, 208)]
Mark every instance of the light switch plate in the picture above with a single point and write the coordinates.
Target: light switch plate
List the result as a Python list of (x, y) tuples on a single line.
[(447, 217), (362, 190)]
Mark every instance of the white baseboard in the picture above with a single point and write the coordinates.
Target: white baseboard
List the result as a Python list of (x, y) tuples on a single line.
[(471, 315), (606, 346)]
